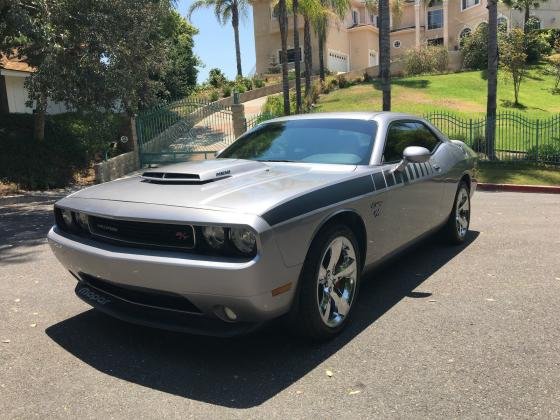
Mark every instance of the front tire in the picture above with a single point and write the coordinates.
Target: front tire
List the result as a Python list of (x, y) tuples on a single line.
[(459, 220), (329, 284)]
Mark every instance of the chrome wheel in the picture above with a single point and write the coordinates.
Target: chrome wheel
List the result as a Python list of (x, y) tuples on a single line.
[(462, 212), (336, 282)]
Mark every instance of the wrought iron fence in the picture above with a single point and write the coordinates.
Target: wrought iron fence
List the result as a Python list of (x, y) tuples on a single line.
[(183, 130), (517, 137)]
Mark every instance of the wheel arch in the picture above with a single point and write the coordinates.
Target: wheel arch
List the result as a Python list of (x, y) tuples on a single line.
[(350, 218)]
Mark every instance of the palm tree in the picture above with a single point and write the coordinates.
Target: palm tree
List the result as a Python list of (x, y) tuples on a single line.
[(525, 6), (492, 78), (309, 9), (385, 52), (283, 23), (328, 9), (297, 58), (226, 10)]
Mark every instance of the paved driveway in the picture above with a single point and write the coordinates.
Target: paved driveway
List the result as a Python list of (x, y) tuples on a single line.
[(442, 332)]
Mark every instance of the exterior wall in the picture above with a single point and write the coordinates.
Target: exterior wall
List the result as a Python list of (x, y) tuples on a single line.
[(16, 95)]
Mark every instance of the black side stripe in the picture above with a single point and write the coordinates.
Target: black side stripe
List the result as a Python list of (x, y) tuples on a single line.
[(389, 178), (324, 197), (416, 171), (379, 181)]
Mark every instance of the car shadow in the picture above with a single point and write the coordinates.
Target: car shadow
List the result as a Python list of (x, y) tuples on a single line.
[(246, 371)]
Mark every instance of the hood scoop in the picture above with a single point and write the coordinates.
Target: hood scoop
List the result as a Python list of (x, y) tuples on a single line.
[(201, 172)]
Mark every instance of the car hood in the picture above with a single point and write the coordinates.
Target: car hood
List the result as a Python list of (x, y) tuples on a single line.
[(220, 184)]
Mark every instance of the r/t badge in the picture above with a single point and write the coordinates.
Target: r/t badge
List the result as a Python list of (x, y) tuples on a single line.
[(376, 208)]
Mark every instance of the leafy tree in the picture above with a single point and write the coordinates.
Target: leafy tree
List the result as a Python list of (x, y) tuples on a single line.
[(90, 55), (225, 11), (475, 49), (525, 6), (553, 69), (179, 71), (513, 58), (216, 78)]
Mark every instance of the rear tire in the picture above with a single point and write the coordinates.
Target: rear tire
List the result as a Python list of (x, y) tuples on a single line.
[(329, 284), (457, 226)]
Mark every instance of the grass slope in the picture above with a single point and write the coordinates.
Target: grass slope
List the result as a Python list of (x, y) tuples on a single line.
[(517, 173), (462, 93)]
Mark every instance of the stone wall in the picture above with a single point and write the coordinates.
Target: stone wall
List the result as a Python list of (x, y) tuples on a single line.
[(116, 167)]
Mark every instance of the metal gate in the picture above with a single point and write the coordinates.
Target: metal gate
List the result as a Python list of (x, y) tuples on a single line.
[(183, 130)]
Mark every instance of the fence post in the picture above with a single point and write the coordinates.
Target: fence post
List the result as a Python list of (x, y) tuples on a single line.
[(471, 144), (238, 116), (537, 141)]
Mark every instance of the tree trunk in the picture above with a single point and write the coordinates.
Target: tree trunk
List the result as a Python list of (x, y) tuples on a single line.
[(283, 23), (385, 52), (39, 119), (297, 57), (307, 53), (492, 78), (526, 18), (235, 24), (321, 56)]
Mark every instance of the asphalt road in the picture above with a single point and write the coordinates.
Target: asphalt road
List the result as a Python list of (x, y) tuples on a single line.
[(441, 332)]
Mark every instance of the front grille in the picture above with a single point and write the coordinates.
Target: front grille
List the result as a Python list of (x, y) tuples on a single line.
[(142, 296), (160, 235)]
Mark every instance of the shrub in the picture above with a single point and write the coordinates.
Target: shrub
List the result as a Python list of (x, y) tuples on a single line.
[(427, 59), (273, 105), (214, 95), (258, 83), (553, 69), (71, 142), (226, 90), (536, 46), (546, 152), (475, 49), (247, 83), (342, 82)]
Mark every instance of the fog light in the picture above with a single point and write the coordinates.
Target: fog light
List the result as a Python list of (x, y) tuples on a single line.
[(230, 314)]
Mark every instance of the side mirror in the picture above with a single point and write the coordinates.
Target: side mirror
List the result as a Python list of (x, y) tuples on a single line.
[(413, 154)]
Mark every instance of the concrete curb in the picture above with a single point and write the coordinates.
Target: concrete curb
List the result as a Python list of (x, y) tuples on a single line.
[(519, 188)]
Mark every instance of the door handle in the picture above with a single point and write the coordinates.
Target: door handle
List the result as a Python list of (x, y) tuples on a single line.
[(437, 168)]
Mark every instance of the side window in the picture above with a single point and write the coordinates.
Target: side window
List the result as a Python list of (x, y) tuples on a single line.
[(407, 133)]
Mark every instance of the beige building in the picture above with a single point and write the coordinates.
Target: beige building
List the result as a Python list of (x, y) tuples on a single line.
[(353, 42)]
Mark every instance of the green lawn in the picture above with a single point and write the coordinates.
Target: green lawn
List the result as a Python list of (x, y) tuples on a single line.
[(462, 93), (520, 174)]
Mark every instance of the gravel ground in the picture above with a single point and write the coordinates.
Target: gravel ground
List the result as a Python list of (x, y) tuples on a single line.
[(441, 332)]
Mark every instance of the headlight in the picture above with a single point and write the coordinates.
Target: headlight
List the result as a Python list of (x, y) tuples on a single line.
[(244, 239), (214, 235), (67, 217), (82, 220)]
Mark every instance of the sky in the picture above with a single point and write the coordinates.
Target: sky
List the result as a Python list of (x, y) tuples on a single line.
[(215, 45)]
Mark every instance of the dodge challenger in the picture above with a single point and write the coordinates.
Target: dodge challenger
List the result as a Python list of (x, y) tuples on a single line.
[(281, 223)]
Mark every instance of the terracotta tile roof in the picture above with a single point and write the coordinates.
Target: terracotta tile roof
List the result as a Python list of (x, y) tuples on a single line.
[(15, 64)]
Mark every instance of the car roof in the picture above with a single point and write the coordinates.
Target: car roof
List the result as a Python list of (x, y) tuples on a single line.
[(364, 116)]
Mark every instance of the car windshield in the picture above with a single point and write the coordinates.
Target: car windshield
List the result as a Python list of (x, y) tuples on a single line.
[(338, 141)]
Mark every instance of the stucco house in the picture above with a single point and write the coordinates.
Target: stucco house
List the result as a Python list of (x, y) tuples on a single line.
[(13, 94), (353, 42)]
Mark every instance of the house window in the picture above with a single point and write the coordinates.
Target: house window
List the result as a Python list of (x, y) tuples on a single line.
[(373, 19), (397, 44), (354, 17), (502, 23), (373, 58), (291, 55), (465, 4), (435, 19), (435, 41)]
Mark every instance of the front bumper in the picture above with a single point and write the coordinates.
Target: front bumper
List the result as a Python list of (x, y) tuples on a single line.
[(208, 283)]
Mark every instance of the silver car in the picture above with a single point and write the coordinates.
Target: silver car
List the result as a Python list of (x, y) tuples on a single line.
[(282, 223)]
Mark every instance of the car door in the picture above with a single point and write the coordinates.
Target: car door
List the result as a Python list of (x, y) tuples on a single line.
[(413, 197)]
